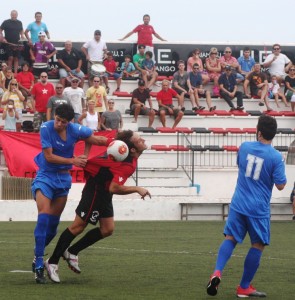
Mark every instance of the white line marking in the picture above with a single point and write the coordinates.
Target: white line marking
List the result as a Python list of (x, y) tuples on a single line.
[(20, 271)]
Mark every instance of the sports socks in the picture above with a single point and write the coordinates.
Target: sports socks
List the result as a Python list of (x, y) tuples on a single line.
[(251, 265), (225, 251), (87, 240), (51, 228)]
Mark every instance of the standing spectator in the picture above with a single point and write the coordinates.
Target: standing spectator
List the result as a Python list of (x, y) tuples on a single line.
[(13, 29), (260, 168), (2, 79), (111, 119), (138, 103), (145, 34), (246, 62), (34, 28), (10, 115), (182, 85), (165, 100), (228, 89), (213, 67), (41, 93), (290, 86), (26, 81), (274, 91), (196, 83), (76, 97), (70, 61), (138, 59), (91, 117), (13, 93), (195, 59), (111, 67), (258, 86), (127, 67), (95, 52), (98, 94), (278, 63), (55, 101), (150, 76)]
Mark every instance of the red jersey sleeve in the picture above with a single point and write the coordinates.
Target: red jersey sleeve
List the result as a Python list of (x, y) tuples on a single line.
[(124, 172)]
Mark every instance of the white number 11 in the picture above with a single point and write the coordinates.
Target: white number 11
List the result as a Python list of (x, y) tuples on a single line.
[(252, 159)]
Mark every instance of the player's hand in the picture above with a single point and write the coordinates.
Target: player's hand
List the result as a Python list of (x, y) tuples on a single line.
[(80, 161), (143, 193)]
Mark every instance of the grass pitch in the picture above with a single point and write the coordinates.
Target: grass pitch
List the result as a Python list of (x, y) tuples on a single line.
[(147, 260)]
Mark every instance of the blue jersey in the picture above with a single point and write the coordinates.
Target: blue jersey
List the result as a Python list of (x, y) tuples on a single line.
[(51, 139), (246, 64), (260, 167)]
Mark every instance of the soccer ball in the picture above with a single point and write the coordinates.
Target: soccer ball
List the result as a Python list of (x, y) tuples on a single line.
[(117, 150)]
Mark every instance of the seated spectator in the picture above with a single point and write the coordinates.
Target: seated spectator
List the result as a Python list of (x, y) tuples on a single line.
[(246, 62), (290, 86), (8, 77), (91, 117), (258, 86), (111, 119), (195, 59), (214, 69), (274, 91), (182, 85), (138, 103), (137, 60), (150, 75), (25, 81), (2, 81), (111, 67), (127, 68), (229, 90), (10, 115), (165, 100), (228, 60), (278, 63), (70, 61), (196, 83)]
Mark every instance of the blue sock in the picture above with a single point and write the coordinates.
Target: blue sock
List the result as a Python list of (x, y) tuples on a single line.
[(40, 237), (52, 228), (225, 251), (251, 265)]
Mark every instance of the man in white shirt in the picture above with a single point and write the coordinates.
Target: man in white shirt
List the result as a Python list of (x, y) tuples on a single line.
[(95, 52)]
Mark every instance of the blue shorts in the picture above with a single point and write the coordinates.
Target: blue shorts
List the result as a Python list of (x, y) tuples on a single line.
[(237, 225), (115, 75), (52, 184)]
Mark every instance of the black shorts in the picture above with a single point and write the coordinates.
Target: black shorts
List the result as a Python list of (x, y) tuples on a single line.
[(12, 51), (95, 203)]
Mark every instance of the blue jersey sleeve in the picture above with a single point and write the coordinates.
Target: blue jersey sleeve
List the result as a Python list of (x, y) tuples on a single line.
[(279, 175), (45, 135)]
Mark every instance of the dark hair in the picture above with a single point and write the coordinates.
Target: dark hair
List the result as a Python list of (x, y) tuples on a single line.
[(149, 53), (65, 111), (126, 136), (25, 63), (109, 53), (196, 65), (140, 46), (196, 50), (180, 62), (246, 49), (267, 125), (146, 15), (38, 13), (128, 56), (274, 45)]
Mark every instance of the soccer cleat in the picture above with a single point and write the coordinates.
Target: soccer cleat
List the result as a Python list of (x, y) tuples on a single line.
[(52, 271), (39, 276), (34, 264), (72, 261), (249, 292), (213, 283)]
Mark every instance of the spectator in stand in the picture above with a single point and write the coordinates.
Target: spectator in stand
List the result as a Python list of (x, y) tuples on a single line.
[(70, 61), (55, 101), (95, 51), (213, 67), (13, 29), (8, 77), (195, 59), (278, 63), (290, 86), (26, 81), (13, 93), (165, 100), (34, 28), (92, 118), (76, 97), (228, 60), (127, 68), (111, 119), (2, 79), (258, 86), (111, 67), (229, 90), (138, 103), (274, 91), (246, 62), (98, 94), (138, 59), (149, 66), (10, 115), (182, 85), (196, 83), (145, 34)]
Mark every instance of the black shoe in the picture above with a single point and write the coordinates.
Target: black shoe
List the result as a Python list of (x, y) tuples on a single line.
[(240, 108), (34, 264), (261, 104), (39, 276), (293, 218), (194, 109), (182, 109), (232, 109), (212, 285), (201, 108), (212, 108)]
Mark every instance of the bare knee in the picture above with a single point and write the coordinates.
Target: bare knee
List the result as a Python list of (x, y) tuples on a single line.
[(107, 231), (77, 228)]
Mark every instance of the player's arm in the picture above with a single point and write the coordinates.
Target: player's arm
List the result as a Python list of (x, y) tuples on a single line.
[(280, 187), (95, 140), (118, 189), (126, 36)]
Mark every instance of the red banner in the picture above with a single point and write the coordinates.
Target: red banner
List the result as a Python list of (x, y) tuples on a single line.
[(20, 149)]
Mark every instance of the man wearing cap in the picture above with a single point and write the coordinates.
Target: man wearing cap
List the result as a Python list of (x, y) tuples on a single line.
[(138, 103), (95, 51), (70, 61)]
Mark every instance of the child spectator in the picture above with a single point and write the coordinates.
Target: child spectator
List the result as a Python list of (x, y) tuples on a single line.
[(111, 67), (127, 67), (149, 66), (10, 115), (274, 91)]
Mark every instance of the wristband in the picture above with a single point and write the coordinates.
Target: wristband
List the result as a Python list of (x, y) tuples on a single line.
[(108, 141)]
